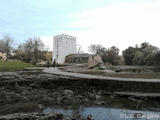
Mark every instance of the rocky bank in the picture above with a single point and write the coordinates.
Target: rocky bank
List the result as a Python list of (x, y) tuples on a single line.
[(28, 92)]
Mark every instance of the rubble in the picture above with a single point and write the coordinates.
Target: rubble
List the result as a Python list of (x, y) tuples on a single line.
[(37, 116), (68, 93), (27, 93), (89, 117)]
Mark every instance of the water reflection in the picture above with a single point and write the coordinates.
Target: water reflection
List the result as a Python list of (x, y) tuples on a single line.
[(104, 113)]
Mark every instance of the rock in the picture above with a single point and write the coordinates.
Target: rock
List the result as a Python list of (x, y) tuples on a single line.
[(59, 116), (89, 117), (112, 96), (132, 98), (34, 116), (99, 93), (97, 97), (68, 93), (34, 85), (97, 103), (91, 95), (67, 118), (73, 118), (86, 100), (59, 99), (103, 102)]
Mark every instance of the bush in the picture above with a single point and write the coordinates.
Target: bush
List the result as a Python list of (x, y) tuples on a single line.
[(157, 61)]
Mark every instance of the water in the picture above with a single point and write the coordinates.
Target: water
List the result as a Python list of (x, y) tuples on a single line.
[(104, 113)]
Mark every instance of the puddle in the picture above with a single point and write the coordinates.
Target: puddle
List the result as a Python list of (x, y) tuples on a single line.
[(104, 113)]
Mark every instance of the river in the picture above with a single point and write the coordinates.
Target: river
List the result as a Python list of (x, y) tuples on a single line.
[(105, 113)]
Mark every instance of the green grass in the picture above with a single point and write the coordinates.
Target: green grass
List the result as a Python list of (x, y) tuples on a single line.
[(13, 65)]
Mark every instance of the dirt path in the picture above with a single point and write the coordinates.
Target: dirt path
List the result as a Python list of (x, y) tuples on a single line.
[(56, 71)]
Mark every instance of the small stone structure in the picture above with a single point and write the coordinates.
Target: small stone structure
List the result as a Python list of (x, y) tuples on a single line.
[(94, 60), (3, 56), (77, 58), (63, 45)]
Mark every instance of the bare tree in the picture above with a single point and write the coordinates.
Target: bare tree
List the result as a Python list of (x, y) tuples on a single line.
[(2, 44), (95, 49), (38, 46), (6, 45), (28, 50), (31, 49), (79, 49)]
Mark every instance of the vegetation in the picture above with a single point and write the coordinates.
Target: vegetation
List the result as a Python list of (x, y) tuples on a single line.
[(110, 55), (6, 45), (157, 61), (12, 65), (143, 55), (30, 51), (33, 51)]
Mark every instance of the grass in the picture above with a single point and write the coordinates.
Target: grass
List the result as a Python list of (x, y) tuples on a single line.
[(14, 65)]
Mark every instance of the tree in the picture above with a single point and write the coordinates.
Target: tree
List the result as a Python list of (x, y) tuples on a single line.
[(6, 45), (38, 46), (145, 45), (157, 60), (129, 54), (32, 49), (79, 49), (143, 55), (96, 49), (28, 50), (138, 58), (149, 53), (19, 53), (111, 55)]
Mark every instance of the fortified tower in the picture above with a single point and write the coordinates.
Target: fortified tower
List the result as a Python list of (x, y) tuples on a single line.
[(63, 45)]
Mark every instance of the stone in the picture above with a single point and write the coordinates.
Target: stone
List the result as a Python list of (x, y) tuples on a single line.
[(68, 93), (97, 102), (59, 116), (89, 117), (73, 118), (59, 99), (34, 85), (91, 95), (86, 100), (94, 61), (97, 97)]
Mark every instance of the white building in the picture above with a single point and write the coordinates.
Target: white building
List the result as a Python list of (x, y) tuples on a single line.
[(63, 45)]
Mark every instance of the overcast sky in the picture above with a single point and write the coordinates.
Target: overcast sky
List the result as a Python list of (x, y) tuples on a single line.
[(121, 23)]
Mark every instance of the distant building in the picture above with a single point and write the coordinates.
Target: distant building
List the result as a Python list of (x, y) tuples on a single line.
[(77, 58), (94, 60), (3, 56), (63, 45), (91, 60)]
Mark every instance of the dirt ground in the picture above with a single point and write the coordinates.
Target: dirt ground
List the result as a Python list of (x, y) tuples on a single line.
[(146, 72)]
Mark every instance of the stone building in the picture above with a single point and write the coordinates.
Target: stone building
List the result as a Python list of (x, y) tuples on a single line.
[(63, 45), (3, 56), (77, 58), (94, 60)]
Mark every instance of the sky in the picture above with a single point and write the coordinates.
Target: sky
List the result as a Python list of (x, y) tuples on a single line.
[(121, 23)]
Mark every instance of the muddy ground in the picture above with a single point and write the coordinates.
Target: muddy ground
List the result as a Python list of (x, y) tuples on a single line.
[(146, 72), (28, 92)]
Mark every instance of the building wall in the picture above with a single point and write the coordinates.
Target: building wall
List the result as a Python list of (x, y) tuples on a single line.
[(94, 60), (63, 45), (77, 58), (3, 56)]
